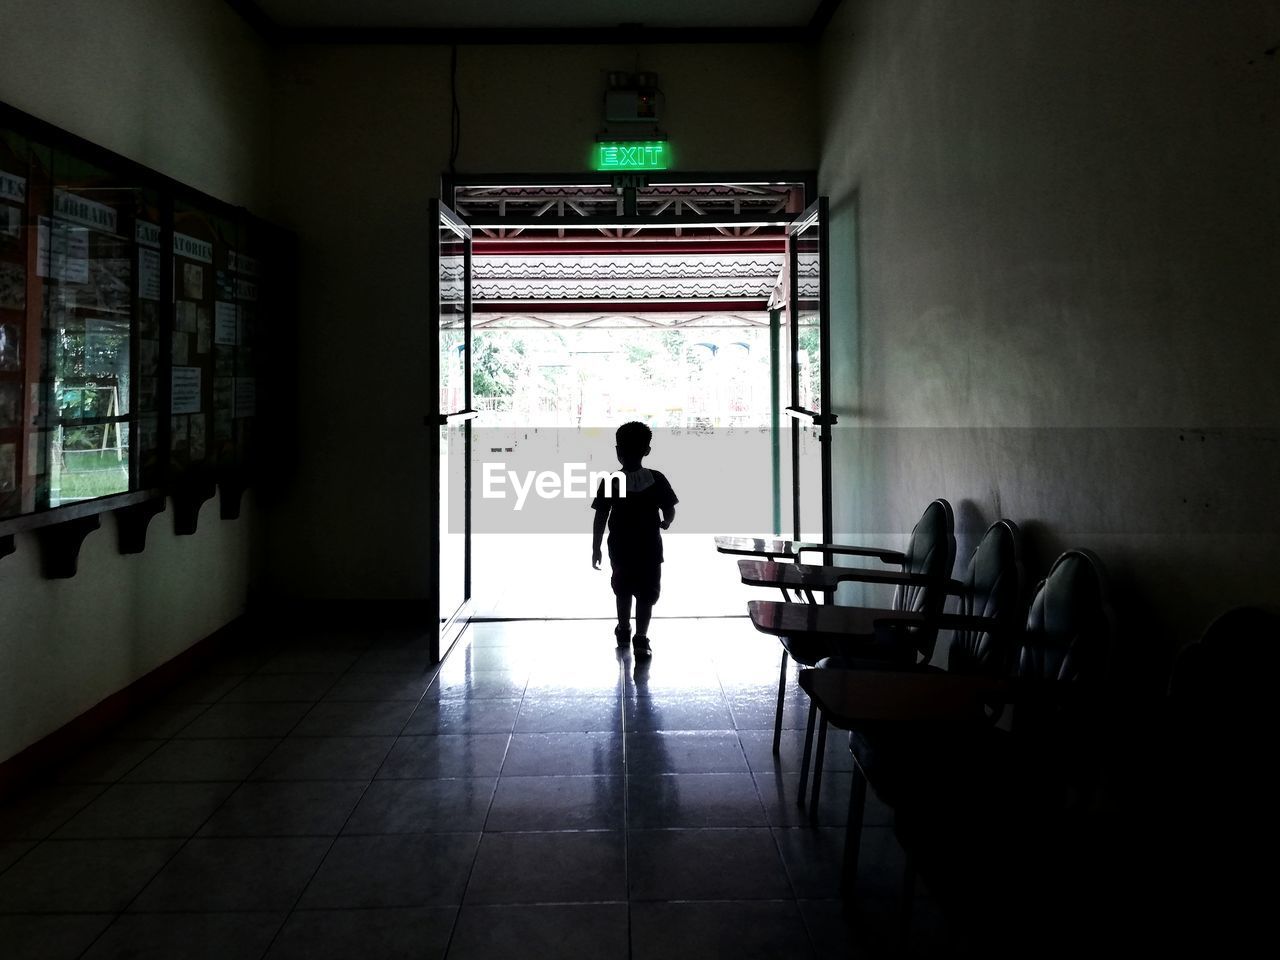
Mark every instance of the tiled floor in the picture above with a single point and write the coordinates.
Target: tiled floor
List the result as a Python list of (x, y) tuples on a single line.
[(539, 795)]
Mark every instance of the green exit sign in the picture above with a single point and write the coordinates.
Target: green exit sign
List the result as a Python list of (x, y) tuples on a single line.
[(633, 155)]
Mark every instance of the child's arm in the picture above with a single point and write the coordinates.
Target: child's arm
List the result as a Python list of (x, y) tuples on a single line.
[(668, 514), (597, 535)]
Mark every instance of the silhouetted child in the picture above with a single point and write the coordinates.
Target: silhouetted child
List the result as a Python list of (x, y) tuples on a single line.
[(635, 515)]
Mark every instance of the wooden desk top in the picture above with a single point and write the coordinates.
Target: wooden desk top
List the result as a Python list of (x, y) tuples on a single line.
[(822, 621), (790, 549), (805, 576), (849, 698)]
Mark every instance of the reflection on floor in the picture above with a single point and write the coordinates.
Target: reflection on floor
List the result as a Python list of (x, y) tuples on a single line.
[(537, 796), (550, 575)]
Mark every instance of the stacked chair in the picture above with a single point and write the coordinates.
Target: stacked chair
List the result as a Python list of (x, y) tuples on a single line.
[(925, 568)]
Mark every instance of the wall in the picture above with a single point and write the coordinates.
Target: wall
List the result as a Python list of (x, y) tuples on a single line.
[(361, 139), (1054, 284), (180, 88)]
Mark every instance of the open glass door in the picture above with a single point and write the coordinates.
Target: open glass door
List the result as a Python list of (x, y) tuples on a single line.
[(807, 343), (450, 300)]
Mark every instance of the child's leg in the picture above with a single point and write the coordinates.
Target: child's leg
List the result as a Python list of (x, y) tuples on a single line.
[(644, 610), (624, 612)]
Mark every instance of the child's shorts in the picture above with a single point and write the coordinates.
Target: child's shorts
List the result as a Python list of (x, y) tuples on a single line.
[(643, 583)]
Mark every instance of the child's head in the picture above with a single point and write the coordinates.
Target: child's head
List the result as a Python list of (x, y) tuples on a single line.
[(633, 440)]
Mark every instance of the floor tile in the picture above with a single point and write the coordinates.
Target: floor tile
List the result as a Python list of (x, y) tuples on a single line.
[(417, 870), (355, 719), (517, 659), (82, 876), (281, 688), (187, 936), (561, 754), (246, 661), (586, 715), (832, 931), (411, 659), (35, 815), (693, 712), (422, 806), (315, 808), (146, 810), (778, 792), (185, 760), (325, 758), (299, 659), (405, 933), (491, 685), (159, 722), (555, 685), (881, 863), (227, 719), (464, 755), (813, 858), (758, 746), (203, 688), (379, 686), (670, 676), (583, 931), (649, 754), (557, 803), (216, 875), (62, 937), (705, 865), (744, 930), (693, 800), (463, 716), (549, 868), (107, 762), (759, 711), (12, 850)]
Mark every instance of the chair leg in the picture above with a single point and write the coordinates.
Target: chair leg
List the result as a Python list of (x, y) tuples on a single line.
[(818, 752), (808, 749), (907, 906), (853, 834), (782, 695)]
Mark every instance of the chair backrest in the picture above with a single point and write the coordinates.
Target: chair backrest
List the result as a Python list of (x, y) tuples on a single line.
[(931, 551), (1070, 626), (992, 589)]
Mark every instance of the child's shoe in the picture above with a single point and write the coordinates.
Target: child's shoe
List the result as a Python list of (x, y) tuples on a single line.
[(624, 636), (642, 647)]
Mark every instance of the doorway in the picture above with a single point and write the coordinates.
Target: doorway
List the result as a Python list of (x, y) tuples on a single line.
[(566, 308)]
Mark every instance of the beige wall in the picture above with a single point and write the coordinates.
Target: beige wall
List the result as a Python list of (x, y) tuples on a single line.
[(361, 139), (180, 88), (1055, 283)]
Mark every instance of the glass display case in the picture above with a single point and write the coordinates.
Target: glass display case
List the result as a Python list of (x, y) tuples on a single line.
[(130, 313)]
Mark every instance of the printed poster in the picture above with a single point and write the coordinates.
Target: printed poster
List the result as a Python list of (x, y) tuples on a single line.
[(13, 286), (246, 397), (148, 274), (185, 316), (186, 390), (10, 405), (193, 281), (196, 438), (203, 330), (62, 252), (224, 323), (8, 467)]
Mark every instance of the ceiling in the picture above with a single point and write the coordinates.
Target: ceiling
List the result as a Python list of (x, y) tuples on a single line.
[(482, 20)]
